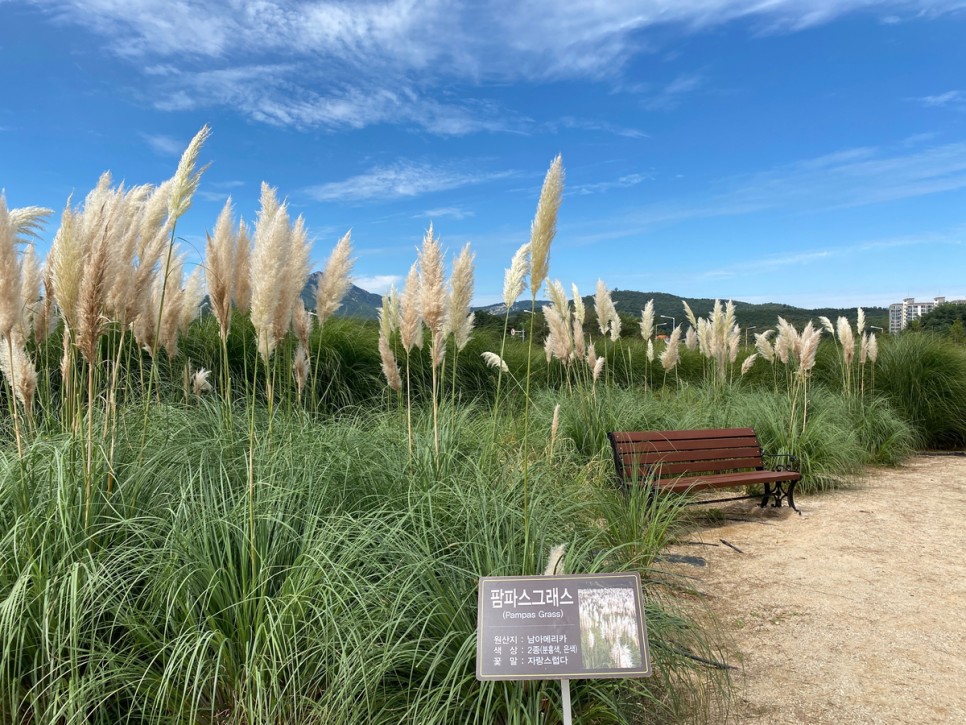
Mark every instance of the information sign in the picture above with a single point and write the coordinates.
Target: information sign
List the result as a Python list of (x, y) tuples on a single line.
[(561, 627)]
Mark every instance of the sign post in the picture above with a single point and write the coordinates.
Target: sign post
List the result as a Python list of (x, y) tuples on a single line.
[(561, 627)]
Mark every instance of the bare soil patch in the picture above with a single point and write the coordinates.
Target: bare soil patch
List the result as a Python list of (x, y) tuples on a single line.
[(854, 612)]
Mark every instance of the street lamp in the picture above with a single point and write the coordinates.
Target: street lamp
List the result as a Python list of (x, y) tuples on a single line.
[(753, 327), (668, 317), (874, 327)]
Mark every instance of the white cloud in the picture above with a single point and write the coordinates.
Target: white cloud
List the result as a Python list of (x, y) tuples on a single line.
[(165, 145), (400, 180), (452, 212), (377, 284), (848, 178), (391, 61), (949, 99), (623, 182)]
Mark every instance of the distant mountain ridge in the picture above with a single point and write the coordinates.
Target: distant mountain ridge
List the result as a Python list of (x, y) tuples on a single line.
[(362, 304)]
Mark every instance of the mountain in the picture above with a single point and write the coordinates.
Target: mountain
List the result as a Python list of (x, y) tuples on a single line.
[(357, 302), (362, 304), (749, 314)]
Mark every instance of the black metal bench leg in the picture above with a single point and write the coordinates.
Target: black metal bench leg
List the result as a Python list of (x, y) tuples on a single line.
[(791, 497), (764, 499)]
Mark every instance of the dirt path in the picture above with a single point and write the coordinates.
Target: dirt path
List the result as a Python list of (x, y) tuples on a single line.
[(854, 612)]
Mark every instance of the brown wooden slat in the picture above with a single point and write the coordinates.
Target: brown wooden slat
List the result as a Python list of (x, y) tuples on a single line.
[(688, 445), (706, 454), (701, 464), (671, 435), (707, 466), (725, 480)]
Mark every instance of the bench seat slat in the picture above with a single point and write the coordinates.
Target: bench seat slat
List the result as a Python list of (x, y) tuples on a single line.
[(708, 454), (673, 435), (691, 444), (732, 464), (724, 480)]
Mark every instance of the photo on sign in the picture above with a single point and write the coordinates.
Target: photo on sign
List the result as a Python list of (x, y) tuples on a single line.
[(608, 629)]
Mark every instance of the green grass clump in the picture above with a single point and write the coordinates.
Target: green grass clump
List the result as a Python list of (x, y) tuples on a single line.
[(340, 588)]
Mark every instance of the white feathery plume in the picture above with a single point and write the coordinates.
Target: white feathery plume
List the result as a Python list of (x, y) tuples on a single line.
[(220, 266), (555, 559), (846, 339), (300, 367), (554, 425), (432, 283), (747, 364), (390, 369), (294, 278), (514, 278), (186, 178), (689, 314), (810, 337), (241, 288), (335, 281), (591, 356), (734, 341), (598, 367), (827, 324), (544, 226), (200, 383), (863, 349), (18, 368), (388, 320), (578, 323), (495, 361), (10, 275), (459, 317), (410, 322), (873, 348), (267, 268), (27, 221), (647, 320), (671, 354), (601, 306), (302, 324), (691, 339), (860, 322), (763, 346), (650, 350)]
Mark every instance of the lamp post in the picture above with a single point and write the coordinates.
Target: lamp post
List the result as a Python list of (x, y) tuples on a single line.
[(747, 329), (668, 317), (875, 327)]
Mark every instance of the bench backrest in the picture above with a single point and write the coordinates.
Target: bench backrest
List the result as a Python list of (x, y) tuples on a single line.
[(666, 453)]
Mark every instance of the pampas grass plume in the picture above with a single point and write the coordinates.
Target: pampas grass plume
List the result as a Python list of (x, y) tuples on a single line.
[(410, 322), (544, 226), (432, 286), (514, 278), (219, 266), (647, 320), (10, 279), (335, 281), (18, 368), (495, 361), (200, 383), (747, 364), (187, 177), (555, 560), (459, 318)]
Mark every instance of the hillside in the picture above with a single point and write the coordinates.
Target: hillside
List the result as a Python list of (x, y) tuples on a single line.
[(362, 304)]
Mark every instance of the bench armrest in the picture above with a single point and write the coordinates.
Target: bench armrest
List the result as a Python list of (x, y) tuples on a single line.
[(790, 462)]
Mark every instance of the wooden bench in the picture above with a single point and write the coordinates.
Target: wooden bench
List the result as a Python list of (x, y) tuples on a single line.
[(681, 461)]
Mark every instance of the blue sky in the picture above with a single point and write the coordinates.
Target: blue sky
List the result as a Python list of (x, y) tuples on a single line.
[(803, 151)]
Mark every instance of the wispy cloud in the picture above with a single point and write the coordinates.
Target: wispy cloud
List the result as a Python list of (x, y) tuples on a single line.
[(377, 284), (672, 95), (600, 187), (453, 212), (400, 180), (385, 63), (165, 145), (591, 124), (847, 178), (949, 99)]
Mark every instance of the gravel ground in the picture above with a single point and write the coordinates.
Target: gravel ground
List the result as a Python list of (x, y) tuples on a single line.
[(854, 612)]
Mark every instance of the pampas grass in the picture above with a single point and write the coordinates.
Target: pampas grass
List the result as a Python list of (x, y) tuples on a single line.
[(495, 361), (544, 226), (335, 280), (515, 276)]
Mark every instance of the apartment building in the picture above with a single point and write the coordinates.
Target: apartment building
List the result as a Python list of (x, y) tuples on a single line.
[(902, 313)]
